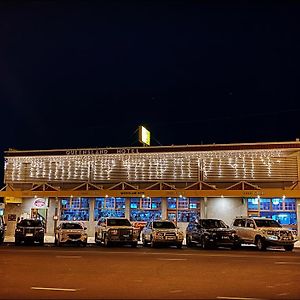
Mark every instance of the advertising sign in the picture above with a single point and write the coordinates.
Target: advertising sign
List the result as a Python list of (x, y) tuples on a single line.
[(144, 136)]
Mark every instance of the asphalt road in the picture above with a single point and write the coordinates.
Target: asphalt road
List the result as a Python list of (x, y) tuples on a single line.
[(34, 272)]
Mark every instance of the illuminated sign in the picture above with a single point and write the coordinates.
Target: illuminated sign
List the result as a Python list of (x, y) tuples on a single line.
[(12, 200), (144, 136)]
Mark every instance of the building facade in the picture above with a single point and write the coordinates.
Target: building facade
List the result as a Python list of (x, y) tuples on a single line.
[(179, 183)]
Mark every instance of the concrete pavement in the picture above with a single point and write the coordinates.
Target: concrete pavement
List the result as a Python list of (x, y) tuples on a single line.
[(91, 240)]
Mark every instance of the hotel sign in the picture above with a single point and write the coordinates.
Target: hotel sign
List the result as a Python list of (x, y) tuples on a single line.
[(102, 151)]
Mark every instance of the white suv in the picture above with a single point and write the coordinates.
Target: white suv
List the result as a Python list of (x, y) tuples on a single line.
[(264, 232)]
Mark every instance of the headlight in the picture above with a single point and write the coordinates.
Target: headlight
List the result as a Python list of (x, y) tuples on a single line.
[(113, 231), (18, 230), (41, 230)]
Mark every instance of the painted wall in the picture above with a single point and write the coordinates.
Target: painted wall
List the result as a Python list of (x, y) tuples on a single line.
[(225, 208)]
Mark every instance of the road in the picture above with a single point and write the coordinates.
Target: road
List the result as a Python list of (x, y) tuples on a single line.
[(34, 272)]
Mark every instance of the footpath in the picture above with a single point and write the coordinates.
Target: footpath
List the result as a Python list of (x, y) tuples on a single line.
[(91, 240)]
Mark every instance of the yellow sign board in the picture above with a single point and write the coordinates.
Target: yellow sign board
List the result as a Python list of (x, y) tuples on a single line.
[(12, 200), (144, 136)]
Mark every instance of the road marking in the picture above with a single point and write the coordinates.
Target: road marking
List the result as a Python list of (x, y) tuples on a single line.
[(68, 256), (239, 298), (172, 259), (286, 263), (53, 289)]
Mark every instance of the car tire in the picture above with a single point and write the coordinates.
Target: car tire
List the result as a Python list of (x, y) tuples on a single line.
[(288, 247), (152, 243), (179, 245), (144, 241), (17, 242), (106, 242), (236, 246), (204, 244), (84, 244), (260, 244), (134, 244), (188, 241), (96, 240), (41, 242), (58, 244)]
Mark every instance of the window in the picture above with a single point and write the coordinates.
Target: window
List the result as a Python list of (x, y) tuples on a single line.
[(239, 222), (277, 204), (290, 204), (253, 204), (283, 218), (109, 207), (145, 209), (74, 209), (282, 209), (183, 209), (265, 204)]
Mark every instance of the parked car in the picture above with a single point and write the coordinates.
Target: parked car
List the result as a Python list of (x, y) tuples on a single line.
[(2, 229), (30, 230), (116, 231), (71, 232), (162, 232), (264, 232), (211, 233)]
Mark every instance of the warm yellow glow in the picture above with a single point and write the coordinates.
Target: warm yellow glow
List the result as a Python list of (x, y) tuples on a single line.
[(144, 135)]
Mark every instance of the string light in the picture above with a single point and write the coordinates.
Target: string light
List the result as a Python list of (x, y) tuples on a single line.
[(182, 166)]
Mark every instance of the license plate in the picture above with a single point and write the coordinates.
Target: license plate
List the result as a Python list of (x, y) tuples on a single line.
[(29, 234), (169, 238), (126, 235), (225, 237)]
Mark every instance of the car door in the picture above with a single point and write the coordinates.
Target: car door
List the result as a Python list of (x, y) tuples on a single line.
[(197, 232), (249, 231), (239, 226)]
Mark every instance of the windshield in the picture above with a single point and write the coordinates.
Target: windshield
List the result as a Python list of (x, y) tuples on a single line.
[(211, 223), (118, 222), (266, 223), (30, 223), (71, 226), (163, 225)]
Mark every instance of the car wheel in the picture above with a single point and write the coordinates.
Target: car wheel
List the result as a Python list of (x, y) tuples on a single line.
[(260, 244), (97, 242), (41, 241), (188, 241), (288, 247), (144, 241), (134, 244), (106, 242), (236, 246), (179, 245), (17, 242), (152, 243), (1, 240), (204, 244), (84, 244), (58, 242)]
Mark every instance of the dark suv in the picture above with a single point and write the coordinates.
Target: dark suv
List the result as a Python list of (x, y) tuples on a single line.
[(211, 233), (29, 230), (2, 229)]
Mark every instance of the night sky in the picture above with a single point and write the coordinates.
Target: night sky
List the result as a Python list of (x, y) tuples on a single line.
[(87, 73)]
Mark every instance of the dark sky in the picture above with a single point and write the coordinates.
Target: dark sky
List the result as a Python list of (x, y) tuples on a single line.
[(87, 73)]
